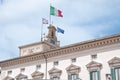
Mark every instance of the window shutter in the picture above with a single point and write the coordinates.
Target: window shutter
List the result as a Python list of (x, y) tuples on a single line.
[(98, 75), (113, 73), (90, 75), (77, 76), (69, 77)]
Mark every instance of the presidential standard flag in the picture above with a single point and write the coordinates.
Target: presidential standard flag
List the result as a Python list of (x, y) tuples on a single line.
[(55, 12), (60, 30), (44, 21)]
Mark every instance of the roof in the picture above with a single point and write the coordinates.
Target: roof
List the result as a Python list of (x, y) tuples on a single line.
[(85, 45)]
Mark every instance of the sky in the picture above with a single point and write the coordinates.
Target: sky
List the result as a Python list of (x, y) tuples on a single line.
[(20, 22)]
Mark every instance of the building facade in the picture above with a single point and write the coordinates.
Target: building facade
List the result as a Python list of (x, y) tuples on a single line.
[(97, 59)]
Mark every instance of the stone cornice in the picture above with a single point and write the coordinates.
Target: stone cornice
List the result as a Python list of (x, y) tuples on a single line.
[(64, 50), (36, 43)]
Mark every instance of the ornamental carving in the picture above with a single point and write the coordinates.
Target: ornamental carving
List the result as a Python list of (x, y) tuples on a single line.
[(73, 69), (86, 45), (8, 78), (19, 76), (93, 66), (114, 62), (37, 74), (55, 72)]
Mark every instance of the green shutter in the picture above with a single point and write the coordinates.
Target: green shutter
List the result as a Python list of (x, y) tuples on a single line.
[(90, 75), (113, 73), (98, 74), (69, 77)]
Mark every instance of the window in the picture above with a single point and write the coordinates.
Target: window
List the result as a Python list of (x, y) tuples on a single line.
[(52, 41), (55, 78), (94, 56), (22, 70), (36, 78), (9, 72), (73, 77), (38, 67), (117, 73), (73, 60), (56, 63), (115, 68), (23, 78), (94, 75)]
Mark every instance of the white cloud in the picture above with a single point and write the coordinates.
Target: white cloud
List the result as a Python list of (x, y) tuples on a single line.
[(20, 21)]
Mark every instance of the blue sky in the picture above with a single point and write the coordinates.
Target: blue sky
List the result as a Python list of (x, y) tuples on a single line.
[(20, 22)]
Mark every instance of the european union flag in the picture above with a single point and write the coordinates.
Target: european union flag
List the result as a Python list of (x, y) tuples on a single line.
[(60, 30)]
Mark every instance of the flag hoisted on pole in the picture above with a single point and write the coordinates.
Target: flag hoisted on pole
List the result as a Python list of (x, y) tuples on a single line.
[(44, 21), (55, 12), (59, 30)]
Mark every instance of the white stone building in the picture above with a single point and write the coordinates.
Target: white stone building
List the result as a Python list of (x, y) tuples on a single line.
[(97, 59)]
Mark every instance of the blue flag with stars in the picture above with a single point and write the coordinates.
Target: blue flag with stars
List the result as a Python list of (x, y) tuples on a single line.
[(59, 30)]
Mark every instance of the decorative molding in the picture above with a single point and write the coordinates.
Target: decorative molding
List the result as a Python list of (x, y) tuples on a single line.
[(73, 69), (19, 76), (8, 78), (37, 43), (114, 62), (55, 72), (93, 66), (63, 50), (37, 74)]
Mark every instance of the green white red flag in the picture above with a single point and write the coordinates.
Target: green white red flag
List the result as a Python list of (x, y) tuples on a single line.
[(55, 12)]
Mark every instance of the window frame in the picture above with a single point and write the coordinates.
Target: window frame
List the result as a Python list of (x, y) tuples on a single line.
[(56, 63), (73, 60), (94, 56), (113, 73), (55, 78), (72, 76), (9, 73), (22, 70), (96, 73), (38, 67), (24, 78)]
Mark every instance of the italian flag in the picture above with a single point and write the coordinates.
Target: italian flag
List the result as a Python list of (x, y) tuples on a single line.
[(55, 12)]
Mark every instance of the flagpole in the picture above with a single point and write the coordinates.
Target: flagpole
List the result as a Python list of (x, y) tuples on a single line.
[(50, 14), (42, 31)]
